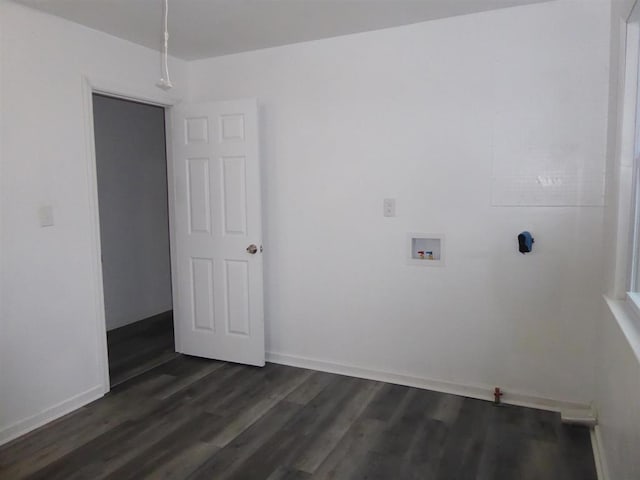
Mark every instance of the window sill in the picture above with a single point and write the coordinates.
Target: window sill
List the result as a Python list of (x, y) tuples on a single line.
[(627, 314), (634, 300)]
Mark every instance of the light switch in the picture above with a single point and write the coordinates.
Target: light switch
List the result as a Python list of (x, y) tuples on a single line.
[(45, 213), (389, 207)]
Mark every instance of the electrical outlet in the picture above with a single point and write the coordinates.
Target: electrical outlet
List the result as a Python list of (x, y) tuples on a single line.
[(389, 207)]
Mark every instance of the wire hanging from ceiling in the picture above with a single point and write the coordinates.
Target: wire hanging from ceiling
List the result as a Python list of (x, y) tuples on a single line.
[(165, 81)]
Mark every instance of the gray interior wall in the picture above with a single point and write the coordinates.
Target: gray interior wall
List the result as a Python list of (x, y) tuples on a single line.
[(134, 222)]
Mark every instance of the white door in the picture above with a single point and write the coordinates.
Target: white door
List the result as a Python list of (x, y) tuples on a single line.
[(217, 234)]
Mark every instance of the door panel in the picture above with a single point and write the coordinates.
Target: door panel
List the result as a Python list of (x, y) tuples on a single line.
[(217, 215), (199, 198)]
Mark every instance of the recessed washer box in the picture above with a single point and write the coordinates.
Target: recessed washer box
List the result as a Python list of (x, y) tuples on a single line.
[(426, 249)]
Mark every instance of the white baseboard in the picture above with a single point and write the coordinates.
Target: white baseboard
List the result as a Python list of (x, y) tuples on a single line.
[(31, 423), (482, 392), (598, 454)]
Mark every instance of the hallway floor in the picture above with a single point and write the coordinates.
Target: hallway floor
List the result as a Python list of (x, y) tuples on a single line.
[(140, 346)]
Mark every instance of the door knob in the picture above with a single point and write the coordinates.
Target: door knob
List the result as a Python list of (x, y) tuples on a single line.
[(252, 249)]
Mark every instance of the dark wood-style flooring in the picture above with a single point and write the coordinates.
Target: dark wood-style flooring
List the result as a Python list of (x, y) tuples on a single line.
[(140, 346), (196, 419)]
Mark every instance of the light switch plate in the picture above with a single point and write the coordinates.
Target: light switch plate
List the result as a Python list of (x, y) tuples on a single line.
[(389, 207), (45, 214)]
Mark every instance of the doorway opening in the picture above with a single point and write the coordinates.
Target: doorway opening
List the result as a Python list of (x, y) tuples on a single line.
[(131, 168)]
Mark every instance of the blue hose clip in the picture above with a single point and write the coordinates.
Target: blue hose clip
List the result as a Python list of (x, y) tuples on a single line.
[(525, 242)]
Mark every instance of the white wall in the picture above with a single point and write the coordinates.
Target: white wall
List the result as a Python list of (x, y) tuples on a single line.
[(134, 218), (416, 113), (618, 368), (49, 345), (413, 113), (618, 391)]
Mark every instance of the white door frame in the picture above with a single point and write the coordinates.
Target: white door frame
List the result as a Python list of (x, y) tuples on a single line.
[(625, 139), (152, 96)]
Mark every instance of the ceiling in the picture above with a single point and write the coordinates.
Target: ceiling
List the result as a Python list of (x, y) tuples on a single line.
[(209, 28)]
